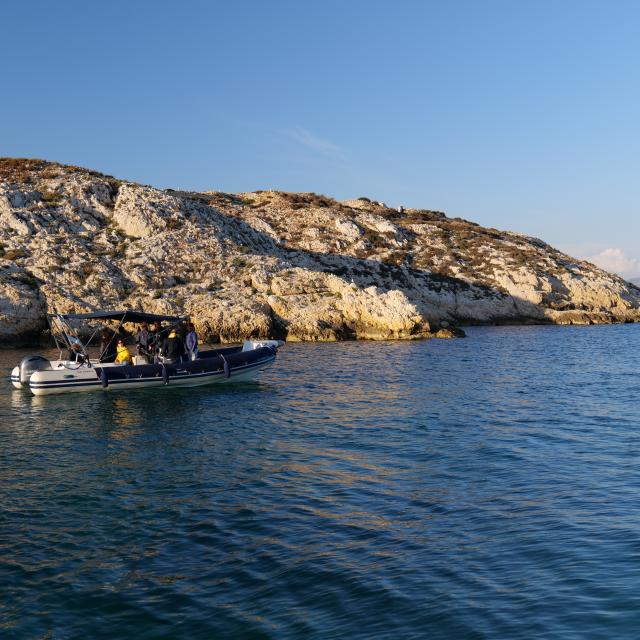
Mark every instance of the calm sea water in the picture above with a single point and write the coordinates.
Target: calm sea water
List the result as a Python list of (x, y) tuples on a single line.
[(479, 488)]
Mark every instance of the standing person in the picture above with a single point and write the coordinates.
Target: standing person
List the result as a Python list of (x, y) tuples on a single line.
[(107, 346), (154, 339), (191, 342), (172, 347), (143, 340), (182, 331)]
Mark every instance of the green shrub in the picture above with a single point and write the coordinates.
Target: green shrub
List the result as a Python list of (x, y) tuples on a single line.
[(14, 254), (50, 172), (396, 258), (50, 197), (372, 236)]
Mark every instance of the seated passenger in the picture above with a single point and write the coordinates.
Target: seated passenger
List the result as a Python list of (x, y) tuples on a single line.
[(123, 356), (76, 350)]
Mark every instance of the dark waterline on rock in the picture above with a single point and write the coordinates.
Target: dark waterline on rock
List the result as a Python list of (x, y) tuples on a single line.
[(475, 488)]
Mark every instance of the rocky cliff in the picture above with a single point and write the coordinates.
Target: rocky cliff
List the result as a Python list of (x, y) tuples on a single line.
[(292, 265)]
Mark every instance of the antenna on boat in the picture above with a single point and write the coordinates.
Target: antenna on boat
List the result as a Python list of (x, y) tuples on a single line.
[(54, 331)]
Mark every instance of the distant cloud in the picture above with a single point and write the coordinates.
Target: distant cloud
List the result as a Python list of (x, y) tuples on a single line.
[(616, 261), (308, 139)]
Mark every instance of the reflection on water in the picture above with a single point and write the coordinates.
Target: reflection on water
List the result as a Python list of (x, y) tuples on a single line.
[(484, 487)]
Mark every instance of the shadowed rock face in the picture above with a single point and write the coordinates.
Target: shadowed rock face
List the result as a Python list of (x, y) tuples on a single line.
[(299, 266)]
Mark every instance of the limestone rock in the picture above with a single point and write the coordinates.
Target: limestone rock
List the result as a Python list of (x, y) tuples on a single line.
[(22, 311), (140, 212), (271, 264)]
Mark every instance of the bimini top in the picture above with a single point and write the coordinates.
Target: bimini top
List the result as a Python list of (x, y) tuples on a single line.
[(122, 316)]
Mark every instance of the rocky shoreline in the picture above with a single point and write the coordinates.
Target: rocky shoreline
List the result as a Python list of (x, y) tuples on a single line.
[(294, 266)]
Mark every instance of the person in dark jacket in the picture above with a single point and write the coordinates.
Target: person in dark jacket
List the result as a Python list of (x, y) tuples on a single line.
[(172, 347), (182, 330), (143, 340), (108, 346), (155, 339)]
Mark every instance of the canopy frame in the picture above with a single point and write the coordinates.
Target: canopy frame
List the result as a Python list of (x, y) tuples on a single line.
[(124, 316), (65, 337)]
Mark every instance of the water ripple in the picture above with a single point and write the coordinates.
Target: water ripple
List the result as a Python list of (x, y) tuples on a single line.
[(477, 488)]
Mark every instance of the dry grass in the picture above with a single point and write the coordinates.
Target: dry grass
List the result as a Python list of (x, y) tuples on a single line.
[(25, 170), (20, 169)]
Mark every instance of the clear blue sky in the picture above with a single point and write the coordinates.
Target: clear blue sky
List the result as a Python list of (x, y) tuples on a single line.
[(518, 115)]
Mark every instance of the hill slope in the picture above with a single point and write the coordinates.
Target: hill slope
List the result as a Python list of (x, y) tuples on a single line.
[(299, 266)]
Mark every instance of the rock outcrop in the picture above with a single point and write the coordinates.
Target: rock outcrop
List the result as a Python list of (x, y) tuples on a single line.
[(295, 266)]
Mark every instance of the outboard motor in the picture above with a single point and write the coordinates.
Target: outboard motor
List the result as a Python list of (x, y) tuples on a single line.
[(31, 364)]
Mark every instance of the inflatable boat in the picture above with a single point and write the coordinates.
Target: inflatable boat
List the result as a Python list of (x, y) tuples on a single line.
[(42, 376)]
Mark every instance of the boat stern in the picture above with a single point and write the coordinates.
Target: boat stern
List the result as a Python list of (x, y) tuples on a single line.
[(64, 380), (15, 378), (21, 374)]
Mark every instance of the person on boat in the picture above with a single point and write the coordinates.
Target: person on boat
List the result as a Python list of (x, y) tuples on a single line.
[(191, 342), (182, 330), (143, 340), (75, 349), (122, 354), (156, 337), (108, 349), (172, 347)]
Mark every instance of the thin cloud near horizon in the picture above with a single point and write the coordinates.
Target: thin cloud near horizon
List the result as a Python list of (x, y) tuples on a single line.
[(615, 260), (308, 139)]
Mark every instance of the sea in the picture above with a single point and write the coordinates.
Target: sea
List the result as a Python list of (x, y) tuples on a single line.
[(483, 487)]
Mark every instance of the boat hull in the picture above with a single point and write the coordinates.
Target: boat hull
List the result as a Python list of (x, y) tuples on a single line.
[(214, 367)]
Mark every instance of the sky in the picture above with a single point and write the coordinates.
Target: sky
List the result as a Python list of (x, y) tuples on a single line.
[(517, 115)]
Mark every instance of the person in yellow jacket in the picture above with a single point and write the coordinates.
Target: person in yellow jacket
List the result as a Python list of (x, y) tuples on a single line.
[(123, 356)]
